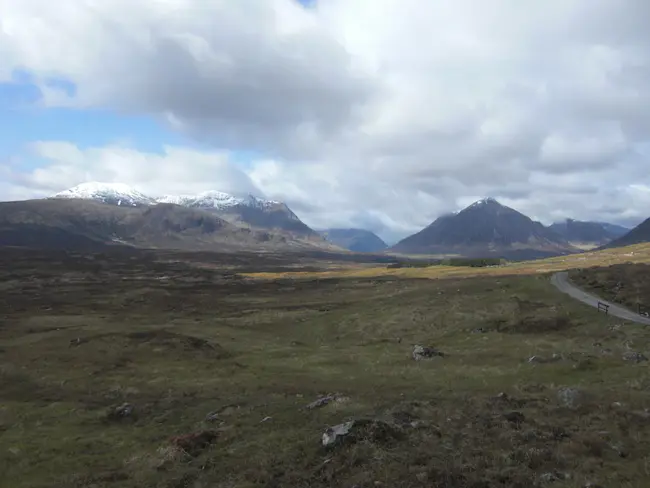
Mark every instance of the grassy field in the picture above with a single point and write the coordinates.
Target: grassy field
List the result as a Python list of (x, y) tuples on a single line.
[(627, 284), (218, 370), (639, 253)]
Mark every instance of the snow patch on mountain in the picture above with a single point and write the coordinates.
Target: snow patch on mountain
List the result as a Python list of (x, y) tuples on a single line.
[(216, 199), (112, 193)]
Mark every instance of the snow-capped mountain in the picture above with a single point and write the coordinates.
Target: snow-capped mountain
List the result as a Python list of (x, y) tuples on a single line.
[(110, 193), (246, 211), (216, 200)]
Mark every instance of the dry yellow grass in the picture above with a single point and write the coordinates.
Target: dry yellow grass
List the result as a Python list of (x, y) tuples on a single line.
[(639, 253)]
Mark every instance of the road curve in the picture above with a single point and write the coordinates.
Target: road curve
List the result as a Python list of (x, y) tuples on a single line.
[(561, 282)]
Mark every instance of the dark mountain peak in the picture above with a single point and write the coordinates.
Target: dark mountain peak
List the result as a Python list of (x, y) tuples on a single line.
[(485, 228)]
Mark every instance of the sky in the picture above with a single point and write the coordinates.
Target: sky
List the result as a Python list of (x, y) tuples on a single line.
[(380, 114)]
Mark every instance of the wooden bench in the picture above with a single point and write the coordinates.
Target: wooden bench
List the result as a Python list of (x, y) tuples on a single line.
[(603, 307)]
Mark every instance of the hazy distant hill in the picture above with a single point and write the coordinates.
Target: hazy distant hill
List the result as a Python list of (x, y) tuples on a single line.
[(357, 240)]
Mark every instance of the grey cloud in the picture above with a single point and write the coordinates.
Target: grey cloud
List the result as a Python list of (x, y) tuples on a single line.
[(372, 112)]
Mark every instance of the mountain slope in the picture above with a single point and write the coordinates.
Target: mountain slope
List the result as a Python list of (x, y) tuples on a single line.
[(641, 233), (486, 228), (587, 234), (357, 240), (248, 211), (78, 223)]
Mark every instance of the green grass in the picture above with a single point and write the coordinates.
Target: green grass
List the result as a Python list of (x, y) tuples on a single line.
[(278, 345)]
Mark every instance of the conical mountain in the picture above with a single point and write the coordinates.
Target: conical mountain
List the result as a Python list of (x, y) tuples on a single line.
[(486, 229)]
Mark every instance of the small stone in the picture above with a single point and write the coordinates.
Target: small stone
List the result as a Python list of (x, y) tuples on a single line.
[(213, 417), (422, 477), (125, 410), (320, 402), (332, 433), (570, 397), (423, 352), (635, 357)]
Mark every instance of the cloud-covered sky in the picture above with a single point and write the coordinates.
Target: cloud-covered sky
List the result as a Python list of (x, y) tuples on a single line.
[(381, 114)]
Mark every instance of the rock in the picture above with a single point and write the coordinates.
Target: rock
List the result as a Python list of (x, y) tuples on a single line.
[(479, 330), (423, 352), (321, 402), (213, 417), (124, 411), (553, 476), (333, 433), (570, 397), (635, 357), (196, 442), (373, 430)]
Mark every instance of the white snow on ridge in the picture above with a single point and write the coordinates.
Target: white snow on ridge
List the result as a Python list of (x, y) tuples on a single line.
[(216, 199), (121, 194), (114, 193)]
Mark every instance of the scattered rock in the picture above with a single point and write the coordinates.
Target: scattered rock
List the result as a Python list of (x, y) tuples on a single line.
[(635, 357), (374, 430), (541, 360), (615, 327), (423, 352), (331, 435), (321, 402), (591, 484), (619, 449), (213, 417), (553, 476), (570, 397), (480, 330), (196, 442), (126, 410)]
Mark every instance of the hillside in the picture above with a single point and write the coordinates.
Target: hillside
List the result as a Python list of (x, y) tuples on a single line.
[(249, 211), (82, 224), (484, 229), (357, 240), (587, 235), (641, 233)]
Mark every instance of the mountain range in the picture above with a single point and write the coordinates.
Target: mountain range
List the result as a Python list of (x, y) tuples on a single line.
[(99, 214)]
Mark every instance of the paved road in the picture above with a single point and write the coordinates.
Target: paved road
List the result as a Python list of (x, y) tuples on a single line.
[(562, 283)]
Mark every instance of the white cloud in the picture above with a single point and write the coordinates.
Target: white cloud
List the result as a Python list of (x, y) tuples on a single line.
[(381, 112)]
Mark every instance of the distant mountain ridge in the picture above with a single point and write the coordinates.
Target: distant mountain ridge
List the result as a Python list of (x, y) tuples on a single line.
[(356, 240), (585, 234), (486, 228), (639, 234)]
